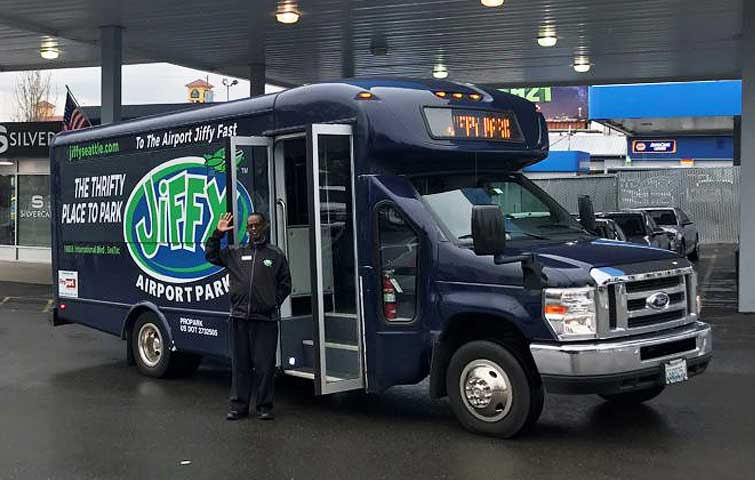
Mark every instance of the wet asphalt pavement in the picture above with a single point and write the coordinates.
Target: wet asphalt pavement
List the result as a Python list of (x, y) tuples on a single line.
[(70, 408)]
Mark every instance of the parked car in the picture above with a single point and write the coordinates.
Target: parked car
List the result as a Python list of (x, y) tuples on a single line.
[(677, 223), (639, 227), (608, 228)]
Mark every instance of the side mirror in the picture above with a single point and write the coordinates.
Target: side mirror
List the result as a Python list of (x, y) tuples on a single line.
[(488, 230), (586, 213)]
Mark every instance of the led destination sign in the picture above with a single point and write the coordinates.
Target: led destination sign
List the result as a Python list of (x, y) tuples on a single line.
[(468, 124)]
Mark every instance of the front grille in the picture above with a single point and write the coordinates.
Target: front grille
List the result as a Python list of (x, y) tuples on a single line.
[(653, 319), (653, 284), (640, 303), (627, 306), (612, 307)]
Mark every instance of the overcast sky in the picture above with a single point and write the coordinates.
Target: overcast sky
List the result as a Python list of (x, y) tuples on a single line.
[(145, 83)]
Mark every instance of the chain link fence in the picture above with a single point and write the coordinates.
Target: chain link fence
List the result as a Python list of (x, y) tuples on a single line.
[(710, 196), (601, 188)]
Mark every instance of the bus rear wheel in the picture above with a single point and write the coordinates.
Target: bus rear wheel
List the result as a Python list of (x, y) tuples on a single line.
[(152, 354), (489, 391)]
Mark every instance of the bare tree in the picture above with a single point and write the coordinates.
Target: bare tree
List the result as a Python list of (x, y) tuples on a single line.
[(33, 89)]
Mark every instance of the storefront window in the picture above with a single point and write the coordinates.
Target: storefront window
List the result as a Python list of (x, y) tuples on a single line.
[(34, 227), (7, 209)]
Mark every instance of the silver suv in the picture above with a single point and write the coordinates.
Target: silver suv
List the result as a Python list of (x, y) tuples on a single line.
[(676, 222)]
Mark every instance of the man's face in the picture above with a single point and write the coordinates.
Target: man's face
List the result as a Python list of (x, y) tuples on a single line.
[(256, 227)]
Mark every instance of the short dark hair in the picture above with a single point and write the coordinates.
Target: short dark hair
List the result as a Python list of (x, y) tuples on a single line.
[(259, 214)]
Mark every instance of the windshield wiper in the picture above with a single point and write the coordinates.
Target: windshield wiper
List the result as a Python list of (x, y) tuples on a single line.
[(560, 225), (531, 235)]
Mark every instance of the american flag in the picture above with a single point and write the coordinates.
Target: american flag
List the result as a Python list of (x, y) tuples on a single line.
[(73, 117)]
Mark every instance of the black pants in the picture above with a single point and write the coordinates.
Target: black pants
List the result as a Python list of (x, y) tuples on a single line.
[(253, 345)]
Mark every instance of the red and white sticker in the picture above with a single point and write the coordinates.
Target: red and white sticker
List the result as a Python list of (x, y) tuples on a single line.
[(68, 284)]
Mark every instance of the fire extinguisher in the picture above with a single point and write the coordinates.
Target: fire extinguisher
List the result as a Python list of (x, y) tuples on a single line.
[(390, 310)]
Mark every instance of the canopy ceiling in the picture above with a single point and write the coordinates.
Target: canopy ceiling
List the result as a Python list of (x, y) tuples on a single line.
[(626, 41)]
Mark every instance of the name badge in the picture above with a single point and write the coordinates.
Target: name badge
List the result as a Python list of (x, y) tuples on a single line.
[(247, 258)]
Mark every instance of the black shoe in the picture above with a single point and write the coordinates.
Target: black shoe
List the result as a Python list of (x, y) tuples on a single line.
[(265, 415), (236, 415)]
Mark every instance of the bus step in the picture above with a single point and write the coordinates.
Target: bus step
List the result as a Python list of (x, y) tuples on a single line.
[(342, 358)]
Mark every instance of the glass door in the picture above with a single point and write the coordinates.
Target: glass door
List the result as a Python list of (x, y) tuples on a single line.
[(248, 169), (336, 311)]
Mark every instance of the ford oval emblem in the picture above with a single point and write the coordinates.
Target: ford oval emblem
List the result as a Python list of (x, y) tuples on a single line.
[(658, 301)]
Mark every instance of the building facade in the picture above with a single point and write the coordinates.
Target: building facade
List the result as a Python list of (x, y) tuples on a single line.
[(25, 190)]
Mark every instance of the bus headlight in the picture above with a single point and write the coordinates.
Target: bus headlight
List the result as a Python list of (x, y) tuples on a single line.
[(570, 312)]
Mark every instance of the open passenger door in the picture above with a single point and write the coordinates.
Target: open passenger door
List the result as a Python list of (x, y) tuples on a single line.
[(337, 315), (321, 335)]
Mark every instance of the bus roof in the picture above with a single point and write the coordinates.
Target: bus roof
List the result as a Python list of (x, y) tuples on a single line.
[(394, 116)]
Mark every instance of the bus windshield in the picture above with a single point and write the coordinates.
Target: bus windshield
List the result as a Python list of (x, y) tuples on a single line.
[(529, 213)]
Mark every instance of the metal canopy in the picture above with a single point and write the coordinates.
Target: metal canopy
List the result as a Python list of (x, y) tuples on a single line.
[(626, 41), (673, 126)]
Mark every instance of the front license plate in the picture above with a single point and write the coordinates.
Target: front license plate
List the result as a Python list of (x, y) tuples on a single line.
[(676, 371)]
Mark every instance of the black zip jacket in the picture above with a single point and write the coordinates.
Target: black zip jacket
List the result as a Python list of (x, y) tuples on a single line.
[(259, 277)]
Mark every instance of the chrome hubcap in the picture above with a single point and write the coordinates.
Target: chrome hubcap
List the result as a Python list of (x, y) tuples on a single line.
[(150, 344), (485, 390)]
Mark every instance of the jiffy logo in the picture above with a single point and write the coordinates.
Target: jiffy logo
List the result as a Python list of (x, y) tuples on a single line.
[(169, 216), (3, 139)]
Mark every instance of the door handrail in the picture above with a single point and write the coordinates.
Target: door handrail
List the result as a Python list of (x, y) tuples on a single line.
[(284, 222)]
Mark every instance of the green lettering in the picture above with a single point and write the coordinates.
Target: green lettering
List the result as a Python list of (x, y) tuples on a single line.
[(195, 188), (216, 200), (149, 239), (176, 188)]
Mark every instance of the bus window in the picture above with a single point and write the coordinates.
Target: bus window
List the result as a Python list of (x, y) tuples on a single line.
[(398, 246)]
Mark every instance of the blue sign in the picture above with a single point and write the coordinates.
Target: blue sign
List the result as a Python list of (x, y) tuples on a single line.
[(653, 146)]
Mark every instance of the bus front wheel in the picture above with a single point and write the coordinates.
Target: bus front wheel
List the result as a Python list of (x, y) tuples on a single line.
[(153, 355), (489, 391)]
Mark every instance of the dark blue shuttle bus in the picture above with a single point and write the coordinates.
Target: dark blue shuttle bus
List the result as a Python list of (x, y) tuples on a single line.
[(416, 246)]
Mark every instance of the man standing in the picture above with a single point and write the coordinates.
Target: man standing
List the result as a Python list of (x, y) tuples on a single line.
[(260, 282)]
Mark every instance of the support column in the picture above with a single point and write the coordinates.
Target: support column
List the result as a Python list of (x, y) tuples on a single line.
[(256, 79), (747, 168), (257, 59), (111, 57), (347, 41)]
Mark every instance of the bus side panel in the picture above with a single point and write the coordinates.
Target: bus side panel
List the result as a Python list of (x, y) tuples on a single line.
[(398, 352), (132, 215), (199, 332), (106, 317)]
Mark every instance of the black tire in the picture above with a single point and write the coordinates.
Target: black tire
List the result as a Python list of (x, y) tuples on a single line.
[(493, 365), (695, 255), (634, 397), (536, 407), (155, 359), (151, 360)]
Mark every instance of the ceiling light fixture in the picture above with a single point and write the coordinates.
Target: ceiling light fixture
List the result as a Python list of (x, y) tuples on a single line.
[(547, 38), (49, 51), (5, 162), (582, 65), (287, 12), (440, 71), (492, 3)]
